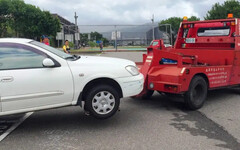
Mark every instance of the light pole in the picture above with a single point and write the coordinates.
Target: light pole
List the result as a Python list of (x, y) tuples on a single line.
[(153, 26), (115, 37), (76, 31), (171, 35)]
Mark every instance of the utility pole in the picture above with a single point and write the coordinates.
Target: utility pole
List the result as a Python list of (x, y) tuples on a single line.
[(153, 26), (76, 31), (167, 33), (115, 37), (171, 35), (63, 30)]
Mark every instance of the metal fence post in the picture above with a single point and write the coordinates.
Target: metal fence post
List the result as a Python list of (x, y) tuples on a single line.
[(115, 37)]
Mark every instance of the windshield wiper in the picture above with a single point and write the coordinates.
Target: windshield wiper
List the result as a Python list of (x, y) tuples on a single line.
[(70, 57), (74, 57), (77, 57)]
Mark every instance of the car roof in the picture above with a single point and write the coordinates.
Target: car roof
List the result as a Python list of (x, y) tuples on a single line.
[(15, 40)]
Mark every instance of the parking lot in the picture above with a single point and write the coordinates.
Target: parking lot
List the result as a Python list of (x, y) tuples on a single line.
[(158, 123)]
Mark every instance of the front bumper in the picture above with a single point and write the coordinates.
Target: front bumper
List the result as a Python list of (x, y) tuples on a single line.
[(131, 86)]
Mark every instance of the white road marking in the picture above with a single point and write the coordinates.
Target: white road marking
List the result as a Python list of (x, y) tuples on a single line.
[(13, 127)]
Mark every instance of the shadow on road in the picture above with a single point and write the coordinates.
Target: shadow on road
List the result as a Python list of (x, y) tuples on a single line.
[(130, 109), (70, 123), (204, 127), (132, 112)]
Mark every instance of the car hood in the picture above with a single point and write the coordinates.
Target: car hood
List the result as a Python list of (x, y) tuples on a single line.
[(99, 61), (101, 66)]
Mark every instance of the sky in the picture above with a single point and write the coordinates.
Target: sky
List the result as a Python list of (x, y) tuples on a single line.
[(92, 12)]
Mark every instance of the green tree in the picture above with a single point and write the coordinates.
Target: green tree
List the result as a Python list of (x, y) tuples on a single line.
[(26, 20), (105, 41), (92, 44), (50, 24), (95, 36), (5, 16), (220, 11), (84, 38)]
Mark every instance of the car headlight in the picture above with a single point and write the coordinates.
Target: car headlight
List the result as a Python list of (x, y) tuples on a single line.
[(132, 70)]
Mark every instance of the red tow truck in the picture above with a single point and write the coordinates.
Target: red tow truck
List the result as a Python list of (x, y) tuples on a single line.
[(206, 56)]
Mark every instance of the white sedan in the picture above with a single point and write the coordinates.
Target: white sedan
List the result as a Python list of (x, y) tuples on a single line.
[(34, 76)]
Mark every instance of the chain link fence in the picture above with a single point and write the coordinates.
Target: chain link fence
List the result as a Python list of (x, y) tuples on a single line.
[(132, 37)]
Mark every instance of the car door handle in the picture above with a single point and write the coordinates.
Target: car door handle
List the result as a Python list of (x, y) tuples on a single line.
[(6, 79)]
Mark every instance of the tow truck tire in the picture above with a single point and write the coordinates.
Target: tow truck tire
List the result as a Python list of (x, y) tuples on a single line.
[(102, 101), (196, 94), (148, 94)]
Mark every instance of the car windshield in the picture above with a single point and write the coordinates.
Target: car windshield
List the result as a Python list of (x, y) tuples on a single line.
[(52, 50)]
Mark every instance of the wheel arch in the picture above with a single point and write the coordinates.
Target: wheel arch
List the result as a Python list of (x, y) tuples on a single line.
[(92, 83), (204, 77)]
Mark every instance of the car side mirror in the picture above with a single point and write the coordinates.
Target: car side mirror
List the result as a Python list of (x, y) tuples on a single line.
[(48, 63)]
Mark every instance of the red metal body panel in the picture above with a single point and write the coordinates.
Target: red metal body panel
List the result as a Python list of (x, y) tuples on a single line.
[(216, 58), (160, 76)]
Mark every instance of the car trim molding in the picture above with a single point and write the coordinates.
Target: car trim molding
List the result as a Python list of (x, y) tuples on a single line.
[(31, 96)]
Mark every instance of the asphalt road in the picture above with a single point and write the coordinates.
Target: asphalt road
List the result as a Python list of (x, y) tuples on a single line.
[(157, 123)]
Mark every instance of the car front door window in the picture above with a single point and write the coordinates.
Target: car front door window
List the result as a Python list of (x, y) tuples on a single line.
[(14, 56), (25, 84)]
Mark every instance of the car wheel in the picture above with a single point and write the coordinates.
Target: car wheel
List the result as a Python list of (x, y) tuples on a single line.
[(196, 94), (102, 101)]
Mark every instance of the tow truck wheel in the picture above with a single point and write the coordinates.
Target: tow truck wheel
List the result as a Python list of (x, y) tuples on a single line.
[(148, 94), (102, 101), (196, 94)]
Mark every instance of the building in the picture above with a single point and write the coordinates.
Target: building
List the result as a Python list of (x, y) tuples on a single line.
[(69, 31)]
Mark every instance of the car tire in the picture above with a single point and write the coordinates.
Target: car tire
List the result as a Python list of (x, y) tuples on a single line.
[(102, 101), (148, 94), (196, 94)]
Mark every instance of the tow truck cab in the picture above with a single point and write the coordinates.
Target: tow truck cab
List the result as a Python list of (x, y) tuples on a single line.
[(206, 55), (156, 44)]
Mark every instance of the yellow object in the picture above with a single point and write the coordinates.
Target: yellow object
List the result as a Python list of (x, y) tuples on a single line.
[(230, 15), (185, 18), (66, 48)]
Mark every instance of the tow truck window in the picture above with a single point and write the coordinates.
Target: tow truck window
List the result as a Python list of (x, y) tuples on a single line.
[(220, 31), (154, 43), (185, 33)]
